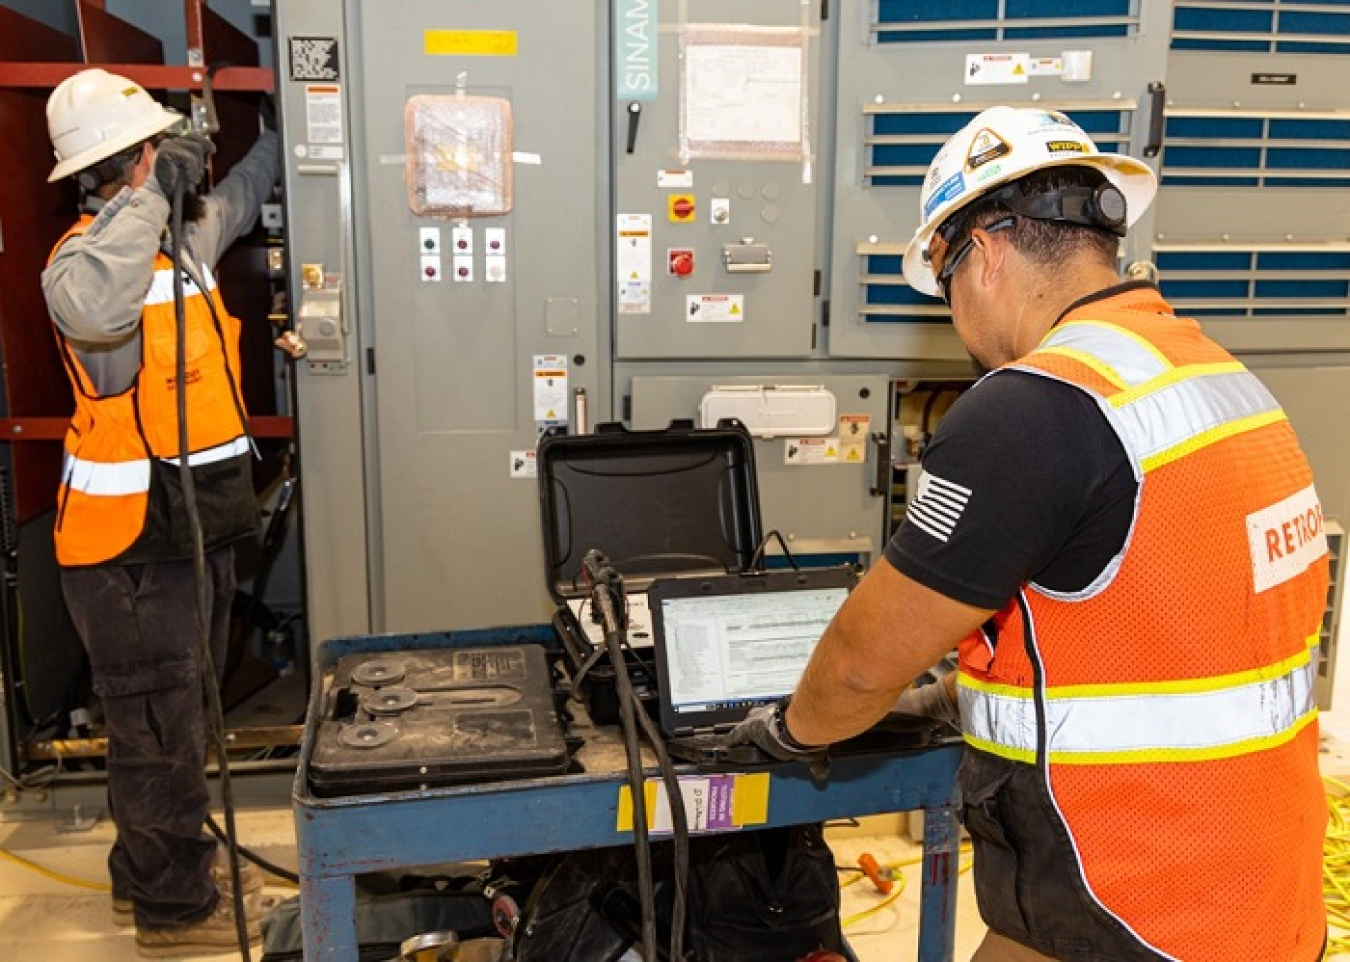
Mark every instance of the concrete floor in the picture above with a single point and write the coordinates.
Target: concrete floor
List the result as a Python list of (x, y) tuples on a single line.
[(45, 919)]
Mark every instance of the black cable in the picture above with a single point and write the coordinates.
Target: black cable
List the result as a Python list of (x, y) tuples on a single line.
[(757, 558), (641, 843), (270, 868), (679, 824), (217, 714), (609, 583)]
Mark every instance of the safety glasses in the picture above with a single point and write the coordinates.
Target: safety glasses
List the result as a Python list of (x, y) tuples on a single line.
[(949, 266)]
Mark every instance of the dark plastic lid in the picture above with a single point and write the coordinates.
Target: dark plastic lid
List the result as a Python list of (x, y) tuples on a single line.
[(657, 503)]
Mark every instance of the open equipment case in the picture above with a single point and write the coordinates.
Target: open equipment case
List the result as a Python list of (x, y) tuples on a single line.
[(678, 502)]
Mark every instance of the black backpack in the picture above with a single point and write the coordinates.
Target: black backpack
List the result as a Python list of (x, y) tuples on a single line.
[(759, 896)]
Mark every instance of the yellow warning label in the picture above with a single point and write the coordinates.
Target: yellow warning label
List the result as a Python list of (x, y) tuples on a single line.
[(481, 43)]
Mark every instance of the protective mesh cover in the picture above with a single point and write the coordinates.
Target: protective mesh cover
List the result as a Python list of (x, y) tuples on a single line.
[(458, 155)]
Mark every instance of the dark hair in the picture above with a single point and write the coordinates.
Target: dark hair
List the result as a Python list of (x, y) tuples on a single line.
[(1041, 241), (110, 170)]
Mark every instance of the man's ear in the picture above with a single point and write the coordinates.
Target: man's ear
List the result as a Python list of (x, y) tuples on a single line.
[(993, 253)]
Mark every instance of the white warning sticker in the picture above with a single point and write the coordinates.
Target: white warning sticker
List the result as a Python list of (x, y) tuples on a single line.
[(853, 430), (523, 464), (633, 259), (714, 308), (550, 389), (811, 451), (998, 68)]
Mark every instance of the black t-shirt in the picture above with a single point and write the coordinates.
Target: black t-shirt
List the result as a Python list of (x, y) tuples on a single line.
[(1024, 480)]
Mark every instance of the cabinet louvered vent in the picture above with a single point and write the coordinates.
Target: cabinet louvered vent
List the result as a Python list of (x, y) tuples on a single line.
[(900, 142), (1245, 283), (1244, 149), (1263, 26), (907, 22)]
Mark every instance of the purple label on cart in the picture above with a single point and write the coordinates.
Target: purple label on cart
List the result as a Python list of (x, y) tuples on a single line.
[(720, 790)]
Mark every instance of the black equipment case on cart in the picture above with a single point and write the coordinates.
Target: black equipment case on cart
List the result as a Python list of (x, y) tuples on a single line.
[(421, 718), (659, 504)]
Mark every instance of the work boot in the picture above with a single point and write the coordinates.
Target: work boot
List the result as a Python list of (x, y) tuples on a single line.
[(212, 935), (124, 911)]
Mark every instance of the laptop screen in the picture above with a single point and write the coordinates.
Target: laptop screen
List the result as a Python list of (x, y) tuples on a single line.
[(727, 644)]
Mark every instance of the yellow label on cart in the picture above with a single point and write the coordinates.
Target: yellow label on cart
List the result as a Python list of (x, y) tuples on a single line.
[(712, 803)]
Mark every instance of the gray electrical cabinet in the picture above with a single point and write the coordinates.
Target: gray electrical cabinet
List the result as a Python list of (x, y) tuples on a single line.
[(713, 178), (910, 76), (720, 152), (512, 218), (445, 184)]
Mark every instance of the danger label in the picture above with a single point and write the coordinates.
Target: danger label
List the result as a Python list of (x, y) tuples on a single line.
[(811, 451), (714, 308), (1286, 538)]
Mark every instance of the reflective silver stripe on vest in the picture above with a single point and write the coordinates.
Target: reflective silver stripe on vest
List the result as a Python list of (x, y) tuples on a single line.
[(1134, 360), (112, 478), (220, 452), (1160, 421), (1162, 408), (1134, 724), (107, 478), (161, 286)]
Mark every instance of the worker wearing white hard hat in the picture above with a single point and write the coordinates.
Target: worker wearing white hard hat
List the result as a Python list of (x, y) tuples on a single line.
[(124, 539), (1003, 144), (95, 115), (1118, 531)]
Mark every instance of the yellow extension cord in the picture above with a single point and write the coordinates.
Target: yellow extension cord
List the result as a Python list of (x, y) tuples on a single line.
[(1336, 867), (894, 872), (55, 876)]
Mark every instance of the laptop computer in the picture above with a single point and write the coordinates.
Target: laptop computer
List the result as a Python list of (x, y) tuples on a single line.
[(726, 644)]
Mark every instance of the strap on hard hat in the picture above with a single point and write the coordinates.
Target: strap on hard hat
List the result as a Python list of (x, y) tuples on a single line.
[(1101, 207)]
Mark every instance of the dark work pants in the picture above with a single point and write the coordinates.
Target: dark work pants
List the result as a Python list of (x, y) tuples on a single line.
[(138, 624)]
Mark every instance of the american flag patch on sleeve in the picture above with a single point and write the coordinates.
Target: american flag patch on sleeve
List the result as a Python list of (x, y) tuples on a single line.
[(937, 506)]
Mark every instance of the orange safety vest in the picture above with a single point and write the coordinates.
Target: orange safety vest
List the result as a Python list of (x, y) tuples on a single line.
[(105, 488), (1170, 703)]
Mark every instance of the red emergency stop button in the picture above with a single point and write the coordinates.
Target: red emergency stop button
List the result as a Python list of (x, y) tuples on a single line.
[(680, 262)]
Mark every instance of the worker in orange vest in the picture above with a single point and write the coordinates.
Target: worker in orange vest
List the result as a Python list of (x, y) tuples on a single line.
[(1119, 531), (123, 538)]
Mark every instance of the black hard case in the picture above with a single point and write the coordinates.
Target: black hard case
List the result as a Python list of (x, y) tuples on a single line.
[(678, 502), (479, 715)]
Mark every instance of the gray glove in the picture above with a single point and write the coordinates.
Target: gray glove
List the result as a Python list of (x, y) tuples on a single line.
[(923, 705), (181, 161), (763, 727)]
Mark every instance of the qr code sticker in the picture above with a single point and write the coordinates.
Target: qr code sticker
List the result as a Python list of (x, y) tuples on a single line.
[(314, 58)]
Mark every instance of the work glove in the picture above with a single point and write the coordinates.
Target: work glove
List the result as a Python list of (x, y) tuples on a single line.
[(763, 728), (181, 162), (923, 706)]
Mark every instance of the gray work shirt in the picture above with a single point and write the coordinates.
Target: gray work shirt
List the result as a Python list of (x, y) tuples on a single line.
[(97, 281)]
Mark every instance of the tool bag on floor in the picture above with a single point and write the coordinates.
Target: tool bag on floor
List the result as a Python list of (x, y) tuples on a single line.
[(389, 910), (762, 896)]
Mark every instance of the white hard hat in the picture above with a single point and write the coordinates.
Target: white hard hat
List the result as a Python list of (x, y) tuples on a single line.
[(95, 114), (1000, 145)]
